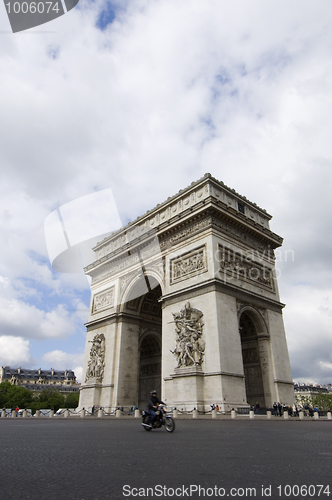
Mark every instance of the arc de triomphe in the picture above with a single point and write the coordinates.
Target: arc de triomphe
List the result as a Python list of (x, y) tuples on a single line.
[(185, 301)]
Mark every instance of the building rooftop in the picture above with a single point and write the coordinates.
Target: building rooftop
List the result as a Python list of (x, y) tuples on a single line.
[(23, 373)]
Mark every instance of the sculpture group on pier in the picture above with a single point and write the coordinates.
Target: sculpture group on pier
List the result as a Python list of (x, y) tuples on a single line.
[(189, 343)]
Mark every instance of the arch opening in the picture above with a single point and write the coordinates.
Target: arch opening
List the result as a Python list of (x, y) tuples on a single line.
[(143, 302), (251, 361), (150, 367)]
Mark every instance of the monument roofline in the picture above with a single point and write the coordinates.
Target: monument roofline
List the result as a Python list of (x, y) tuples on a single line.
[(218, 189)]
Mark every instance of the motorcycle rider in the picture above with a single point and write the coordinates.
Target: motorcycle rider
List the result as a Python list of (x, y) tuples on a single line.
[(153, 403)]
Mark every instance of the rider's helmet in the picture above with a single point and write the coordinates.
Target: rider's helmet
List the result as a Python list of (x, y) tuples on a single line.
[(153, 392)]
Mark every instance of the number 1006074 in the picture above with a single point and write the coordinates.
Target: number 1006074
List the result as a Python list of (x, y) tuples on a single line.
[(303, 491), (32, 7)]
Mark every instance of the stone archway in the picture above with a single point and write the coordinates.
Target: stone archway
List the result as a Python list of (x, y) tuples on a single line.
[(143, 304), (150, 345), (207, 246), (251, 360), (149, 367)]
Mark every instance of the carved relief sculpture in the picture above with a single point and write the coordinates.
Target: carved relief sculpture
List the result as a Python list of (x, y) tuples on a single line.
[(237, 265), (96, 362), (188, 265), (103, 300), (189, 343)]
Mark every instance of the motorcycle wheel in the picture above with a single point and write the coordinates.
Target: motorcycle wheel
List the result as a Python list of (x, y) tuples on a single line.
[(146, 420), (169, 424)]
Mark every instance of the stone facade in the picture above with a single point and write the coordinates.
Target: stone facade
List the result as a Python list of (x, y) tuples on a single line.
[(305, 394), (185, 301), (63, 381)]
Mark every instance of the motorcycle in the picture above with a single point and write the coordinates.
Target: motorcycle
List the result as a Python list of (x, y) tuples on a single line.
[(162, 419)]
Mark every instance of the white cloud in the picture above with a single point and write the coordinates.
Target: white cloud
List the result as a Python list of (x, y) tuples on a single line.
[(65, 361), (81, 311), (308, 325), (20, 319), (14, 351), (167, 92)]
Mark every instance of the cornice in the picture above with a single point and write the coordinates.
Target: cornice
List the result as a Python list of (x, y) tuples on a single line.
[(187, 198), (117, 317), (288, 382), (218, 209), (172, 230), (241, 221), (216, 284)]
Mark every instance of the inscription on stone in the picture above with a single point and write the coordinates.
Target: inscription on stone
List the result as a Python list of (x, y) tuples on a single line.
[(183, 234)]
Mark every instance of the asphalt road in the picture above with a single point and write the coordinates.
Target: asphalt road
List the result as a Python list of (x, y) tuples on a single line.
[(97, 459)]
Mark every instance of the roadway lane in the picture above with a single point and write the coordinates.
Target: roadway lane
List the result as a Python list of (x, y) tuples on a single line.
[(94, 459)]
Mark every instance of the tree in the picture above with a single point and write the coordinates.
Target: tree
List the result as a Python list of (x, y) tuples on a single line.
[(72, 399), (14, 395), (4, 386), (50, 398), (19, 396), (303, 401), (323, 402)]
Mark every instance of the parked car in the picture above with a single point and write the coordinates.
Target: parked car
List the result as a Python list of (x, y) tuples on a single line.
[(61, 411)]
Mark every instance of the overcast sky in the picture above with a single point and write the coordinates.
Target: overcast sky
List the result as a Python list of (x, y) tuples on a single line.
[(142, 97)]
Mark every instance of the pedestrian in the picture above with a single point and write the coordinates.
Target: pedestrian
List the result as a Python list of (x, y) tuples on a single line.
[(279, 409), (17, 410), (275, 409)]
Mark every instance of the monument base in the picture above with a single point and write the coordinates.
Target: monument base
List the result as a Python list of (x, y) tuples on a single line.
[(188, 384), (90, 394)]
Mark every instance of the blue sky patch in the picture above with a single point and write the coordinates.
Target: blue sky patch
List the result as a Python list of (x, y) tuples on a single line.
[(106, 16), (53, 52)]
